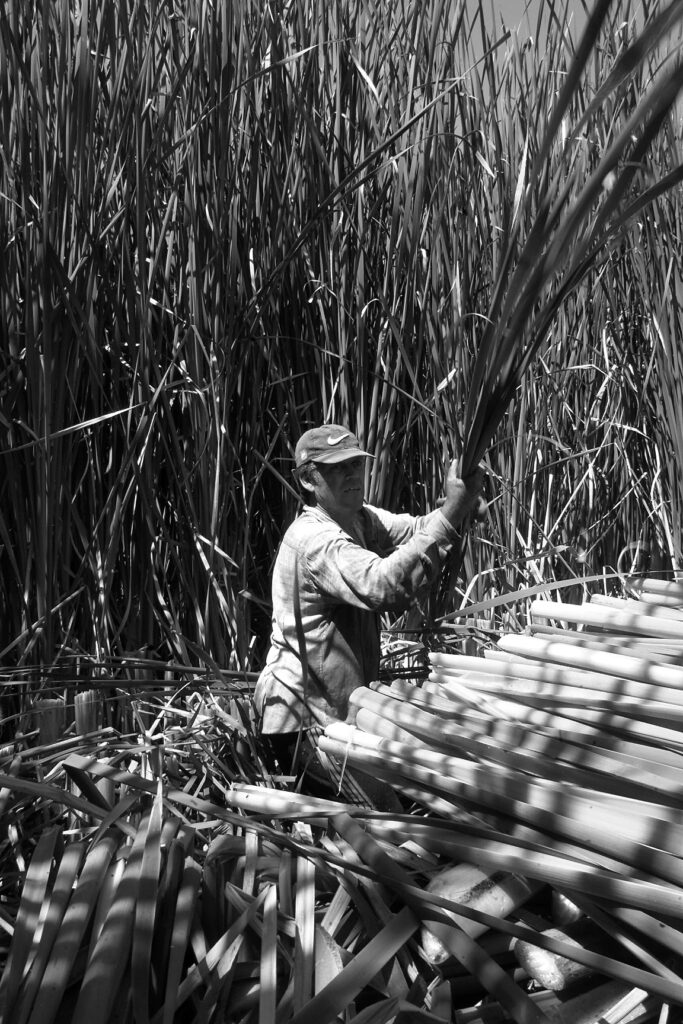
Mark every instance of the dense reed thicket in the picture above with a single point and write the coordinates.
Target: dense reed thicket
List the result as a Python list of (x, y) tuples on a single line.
[(222, 223)]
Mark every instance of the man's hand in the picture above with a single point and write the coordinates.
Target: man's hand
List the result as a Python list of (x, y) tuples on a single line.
[(463, 496)]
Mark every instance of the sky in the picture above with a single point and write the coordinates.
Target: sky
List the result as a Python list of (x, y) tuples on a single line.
[(512, 12)]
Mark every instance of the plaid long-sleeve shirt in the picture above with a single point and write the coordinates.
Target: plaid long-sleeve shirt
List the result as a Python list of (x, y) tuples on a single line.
[(329, 587)]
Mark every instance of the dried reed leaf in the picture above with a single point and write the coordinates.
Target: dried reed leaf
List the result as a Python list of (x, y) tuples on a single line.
[(305, 938), (188, 891), (24, 945), (268, 971), (342, 990), (68, 868), (110, 954), (217, 959), (459, 944), (145, 910), (71, 933)]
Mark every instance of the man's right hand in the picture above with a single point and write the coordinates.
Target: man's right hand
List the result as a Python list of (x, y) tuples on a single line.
[(463, 496)]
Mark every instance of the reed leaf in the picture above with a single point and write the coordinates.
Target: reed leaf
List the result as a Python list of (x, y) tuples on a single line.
[(145, 910), (73, 928), (111, 950), (182, 922), (459, 944), (59, 897), (23, 950), (304, 953), (340, 992)]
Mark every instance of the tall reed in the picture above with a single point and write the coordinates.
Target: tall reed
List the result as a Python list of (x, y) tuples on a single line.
[(223, 223)]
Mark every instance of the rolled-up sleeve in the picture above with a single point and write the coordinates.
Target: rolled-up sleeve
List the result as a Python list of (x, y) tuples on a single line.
[(341, 569)]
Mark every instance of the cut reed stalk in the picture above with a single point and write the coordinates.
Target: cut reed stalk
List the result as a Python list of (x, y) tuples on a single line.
[(645, 670), (642, 624)]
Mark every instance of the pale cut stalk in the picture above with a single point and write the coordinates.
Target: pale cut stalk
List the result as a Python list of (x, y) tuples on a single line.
[(662, 600), (637, 607), (645, 895), (435, 802), (663, 652), (598, 846), (422, 696), (87, 710), (517, 785), (280, 803), (304, 942), (609, 663), (509, 732), (537, 761), (538, 691), (642, 731), (652, 585), (531, 801), (607, 618), (568, 699), (428, 697), (594, 754), (514, 733), (627, 1010), (615, 732), (551, 673), (268, 971)]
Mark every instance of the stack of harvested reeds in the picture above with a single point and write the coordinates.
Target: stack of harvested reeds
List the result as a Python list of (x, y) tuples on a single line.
[(556, 763), (534, 876)]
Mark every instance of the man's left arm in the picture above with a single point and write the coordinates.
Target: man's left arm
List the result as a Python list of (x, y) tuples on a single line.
[(389, 530)]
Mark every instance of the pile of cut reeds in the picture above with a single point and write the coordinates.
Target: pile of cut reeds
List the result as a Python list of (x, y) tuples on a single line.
[(557, 757), (533, 876)]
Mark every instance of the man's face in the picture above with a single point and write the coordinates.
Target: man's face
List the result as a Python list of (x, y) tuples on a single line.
[(339, 488)]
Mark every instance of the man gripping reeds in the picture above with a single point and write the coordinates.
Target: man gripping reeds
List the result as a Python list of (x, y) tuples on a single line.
[(340, 564)]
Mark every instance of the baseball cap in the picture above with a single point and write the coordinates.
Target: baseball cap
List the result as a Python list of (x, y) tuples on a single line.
[(328, 444)]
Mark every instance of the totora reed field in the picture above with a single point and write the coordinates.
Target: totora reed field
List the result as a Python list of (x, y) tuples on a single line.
[(223, 222)]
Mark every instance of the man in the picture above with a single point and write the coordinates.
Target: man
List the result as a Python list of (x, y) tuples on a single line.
[(340, 564)]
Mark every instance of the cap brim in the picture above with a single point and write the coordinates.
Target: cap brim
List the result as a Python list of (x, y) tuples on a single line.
[(331, 458)]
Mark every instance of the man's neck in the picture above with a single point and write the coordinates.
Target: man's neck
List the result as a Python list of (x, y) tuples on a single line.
[(346, 520)]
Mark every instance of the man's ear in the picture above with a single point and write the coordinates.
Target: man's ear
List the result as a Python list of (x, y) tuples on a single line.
[(305, 478)]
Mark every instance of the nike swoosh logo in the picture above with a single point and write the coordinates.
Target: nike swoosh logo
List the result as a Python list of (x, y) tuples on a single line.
[(336, 440)]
